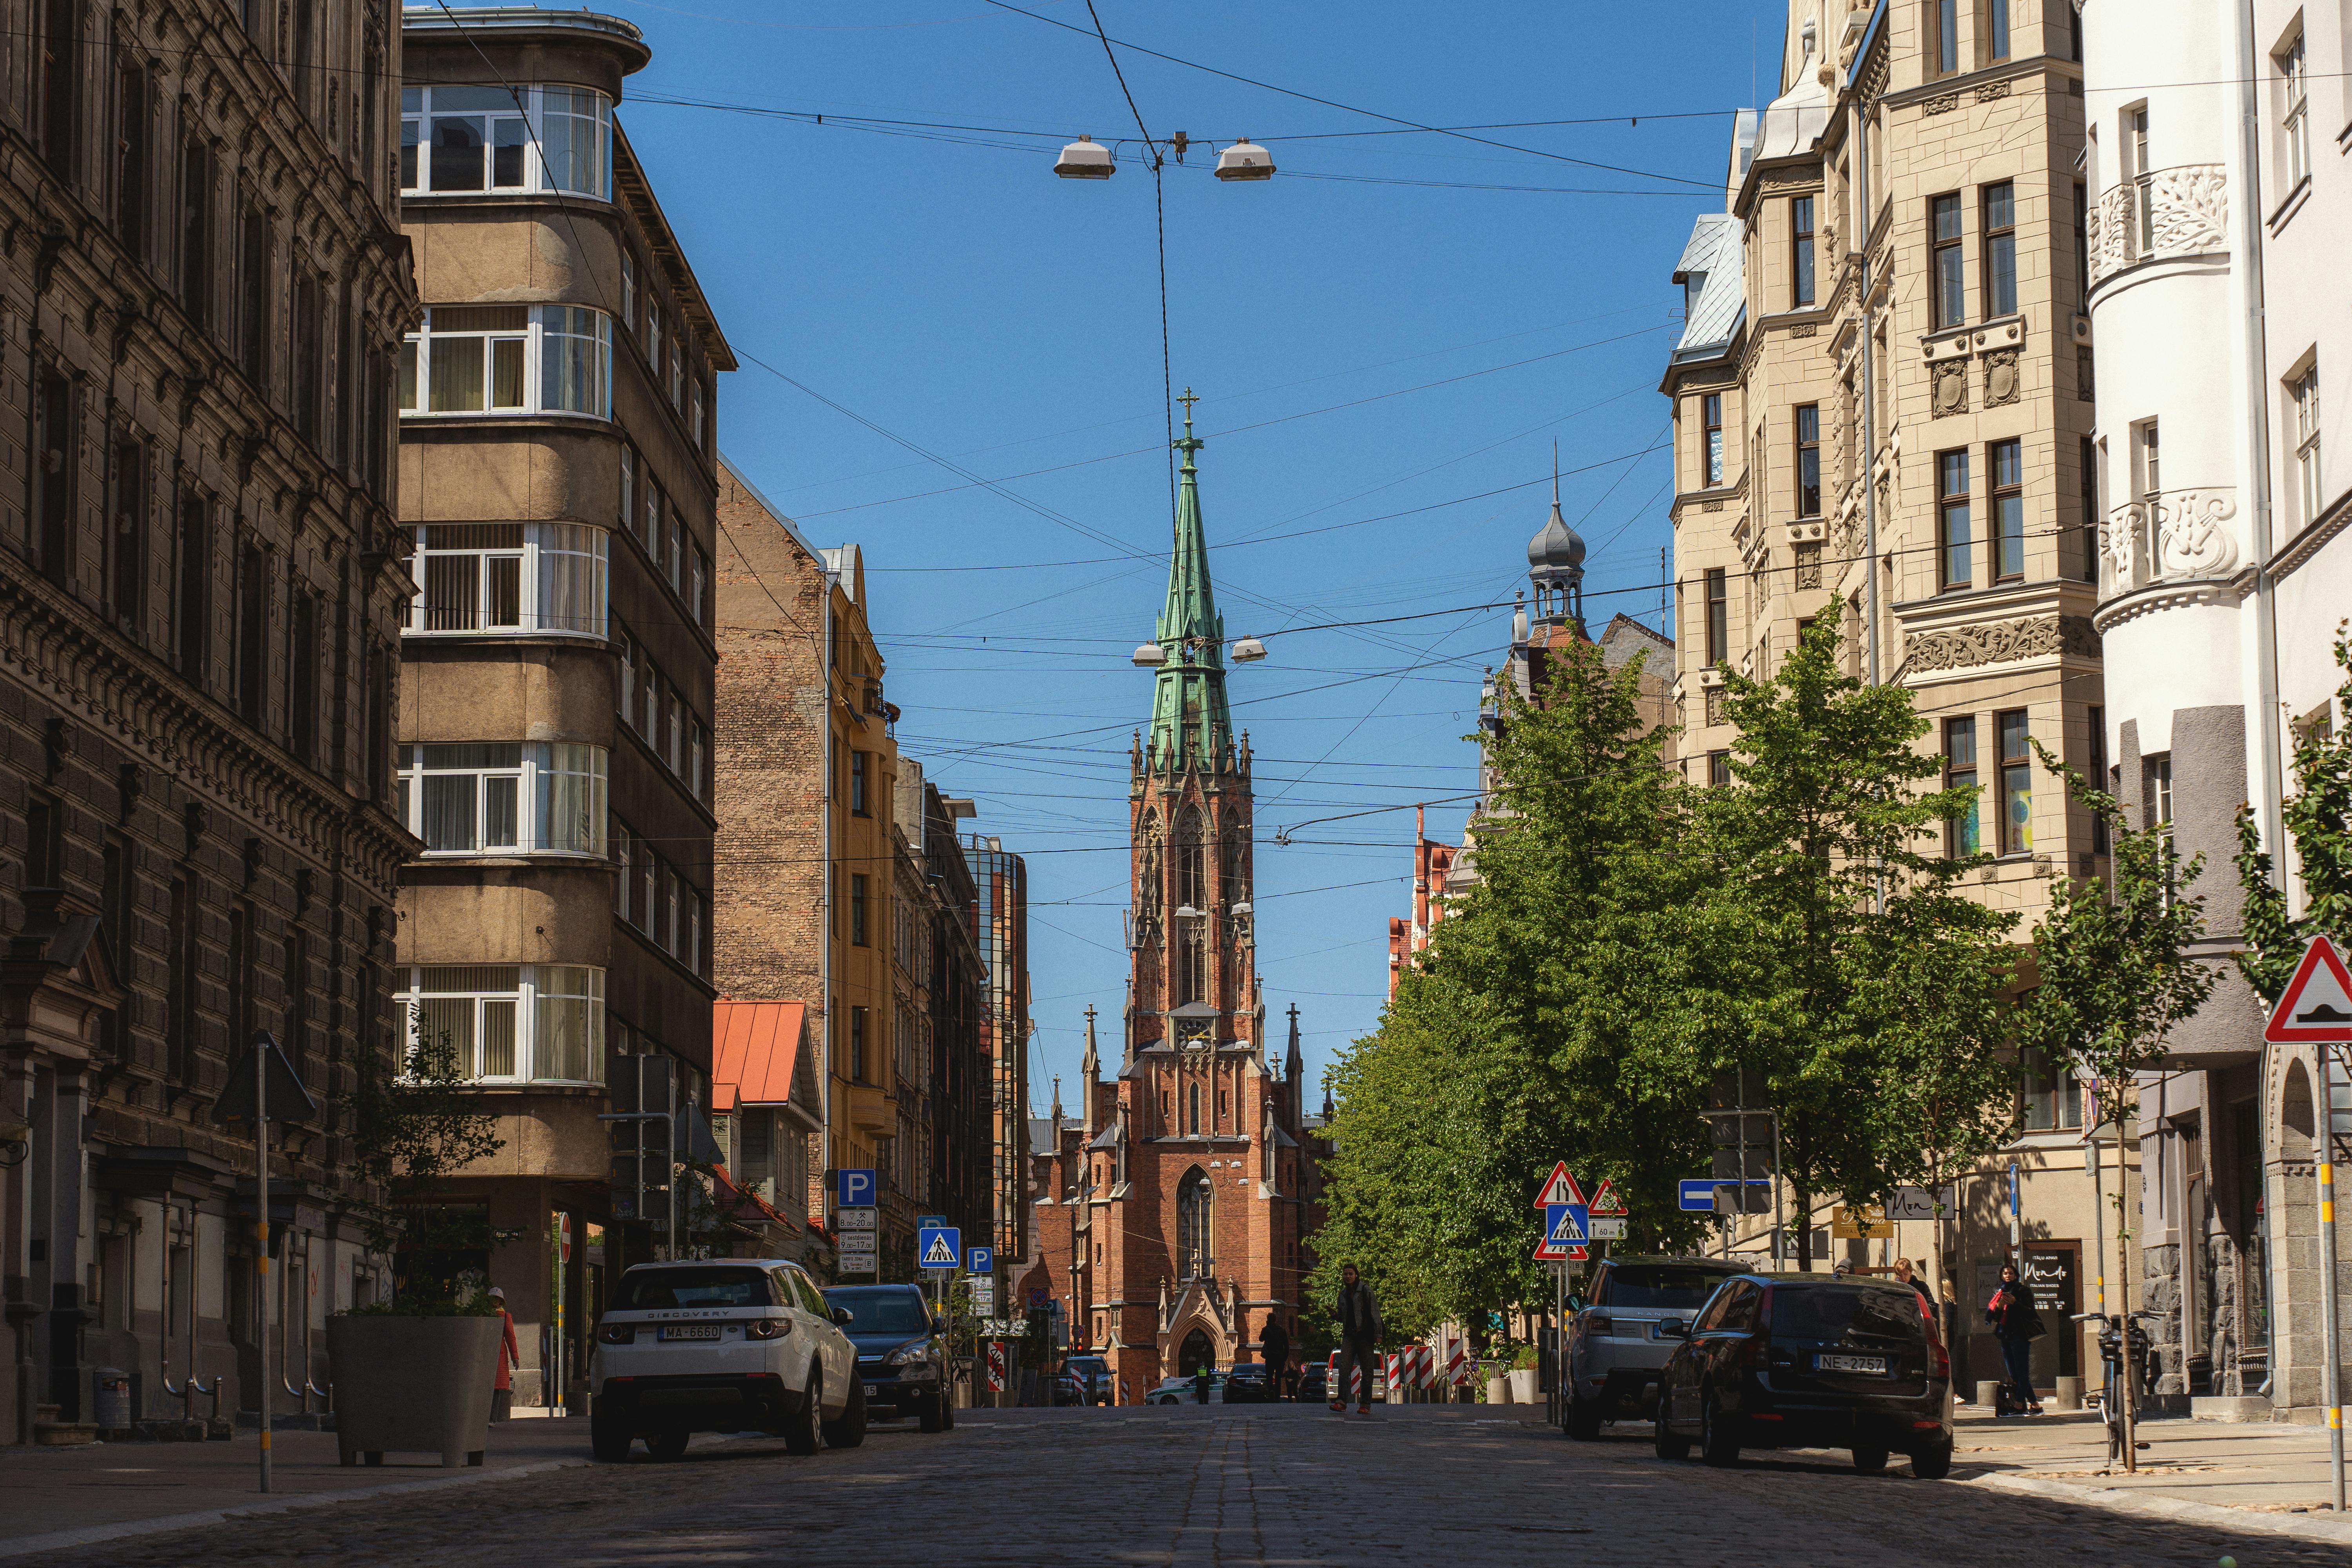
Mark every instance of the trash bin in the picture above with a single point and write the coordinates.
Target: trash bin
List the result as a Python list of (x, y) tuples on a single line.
[(113, 1404)]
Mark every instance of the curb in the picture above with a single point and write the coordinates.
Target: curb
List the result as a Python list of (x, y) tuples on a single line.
[(2335, 1532), (66, 1540)]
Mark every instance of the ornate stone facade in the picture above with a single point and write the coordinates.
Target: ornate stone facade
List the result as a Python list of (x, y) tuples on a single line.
[(200, 589)]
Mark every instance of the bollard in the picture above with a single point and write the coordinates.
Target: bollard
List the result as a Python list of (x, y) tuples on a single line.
[(2070, 1394), (1988, 1395)]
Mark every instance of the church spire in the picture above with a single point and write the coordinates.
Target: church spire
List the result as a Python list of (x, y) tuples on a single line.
[(1089, 1076), (1189, 723)]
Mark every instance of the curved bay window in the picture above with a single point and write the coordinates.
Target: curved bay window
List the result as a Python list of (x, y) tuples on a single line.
[(1196, 1206), (509, 359), (463, 138), (528, 1023), (504, 797), (510, 577)]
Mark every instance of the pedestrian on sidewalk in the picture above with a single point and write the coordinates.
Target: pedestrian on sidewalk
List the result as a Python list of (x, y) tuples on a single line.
[(1359, 1317), (1274, 1346), (1902, 1276), (2017, 1325), (502, 1392), (1201, 1376)]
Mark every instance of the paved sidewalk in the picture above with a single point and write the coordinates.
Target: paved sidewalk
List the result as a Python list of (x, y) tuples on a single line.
[(51, 1496)]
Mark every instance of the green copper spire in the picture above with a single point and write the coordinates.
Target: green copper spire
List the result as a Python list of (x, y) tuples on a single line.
[(1190, 724)]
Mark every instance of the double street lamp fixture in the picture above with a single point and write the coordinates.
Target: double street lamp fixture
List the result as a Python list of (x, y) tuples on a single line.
[(1244, 650), (1087, 159)]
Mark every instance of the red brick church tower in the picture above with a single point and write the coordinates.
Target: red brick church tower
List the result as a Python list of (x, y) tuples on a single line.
[(1171, 1209)]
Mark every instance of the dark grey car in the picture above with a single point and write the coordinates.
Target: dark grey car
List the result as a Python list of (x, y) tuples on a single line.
[(1617, 1342)]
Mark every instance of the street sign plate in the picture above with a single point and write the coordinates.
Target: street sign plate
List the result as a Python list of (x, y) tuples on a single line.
[(856, 1219), (2316, 1006), (1859, 1222), (857, 1189), (938, 1245), (1605, 1200), (935, 1221), (857, 1257), (1564, 1224), (1608, 1228), (983, 1295), (1920, 1203), (1695, 1196), (980, 1260)]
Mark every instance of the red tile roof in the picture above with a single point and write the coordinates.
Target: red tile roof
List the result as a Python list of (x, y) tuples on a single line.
[(753, 1046)]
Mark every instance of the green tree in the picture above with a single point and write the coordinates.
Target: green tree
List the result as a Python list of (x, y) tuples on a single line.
[(2115, 974), (1835, 954), (2319, 819), (416, 1120)]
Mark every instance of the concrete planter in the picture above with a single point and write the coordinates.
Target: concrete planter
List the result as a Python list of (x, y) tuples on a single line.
[(413, 1385), (1499, 1390), (1523, 1387)]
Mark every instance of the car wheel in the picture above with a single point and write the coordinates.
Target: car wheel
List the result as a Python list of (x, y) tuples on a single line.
[(1869, 1458), (805, 1431), (608, 1440), (1671, 1444), (666, 1447), (847, 1430), (1933, 1464), (1582, 1420), (931, 1415), (1718, 1440)]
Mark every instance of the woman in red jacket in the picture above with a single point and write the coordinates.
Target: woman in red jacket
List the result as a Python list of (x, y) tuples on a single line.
[(503, 1396)]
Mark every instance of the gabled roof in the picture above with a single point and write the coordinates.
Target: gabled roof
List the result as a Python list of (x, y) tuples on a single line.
[(1716, 255), (756, 1056)]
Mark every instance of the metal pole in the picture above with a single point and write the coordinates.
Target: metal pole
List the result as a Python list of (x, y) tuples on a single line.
[(2123, 1291), (2329, 1371), (261, 1263), (2098, 1209)]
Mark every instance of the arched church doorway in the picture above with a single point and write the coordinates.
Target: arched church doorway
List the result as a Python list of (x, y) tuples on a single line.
[(1197, 1352)]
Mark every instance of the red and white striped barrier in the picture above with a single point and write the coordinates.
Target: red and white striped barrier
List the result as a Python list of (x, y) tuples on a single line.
[(1391, 1378), (995, 1366), (1457, 1365), (1122, 1388), (1425, 1362)]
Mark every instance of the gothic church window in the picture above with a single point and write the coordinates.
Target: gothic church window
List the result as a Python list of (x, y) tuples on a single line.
[(1192, 884), (1195, 1221)]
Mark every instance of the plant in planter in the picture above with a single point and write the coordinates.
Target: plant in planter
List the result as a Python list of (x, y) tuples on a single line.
[(415, 1371)]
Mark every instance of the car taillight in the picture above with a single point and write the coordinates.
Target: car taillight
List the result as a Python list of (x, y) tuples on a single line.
[(1760, 1338), (767, 1327), (1939, 1360), (1597, 1324), (618, 1333)]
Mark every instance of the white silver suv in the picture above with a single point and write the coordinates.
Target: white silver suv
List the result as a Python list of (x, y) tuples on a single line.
[(727, 1344)]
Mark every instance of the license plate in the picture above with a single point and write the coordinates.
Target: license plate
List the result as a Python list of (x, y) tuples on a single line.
[(1877, 1363), (873, 1391), (690, 1332)]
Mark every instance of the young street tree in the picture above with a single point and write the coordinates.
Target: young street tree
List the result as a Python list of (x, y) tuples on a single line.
[(2115, 974), (1840, 961), (2319, 819)]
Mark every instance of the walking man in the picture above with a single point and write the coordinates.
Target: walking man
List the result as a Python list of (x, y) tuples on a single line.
[(1274, 1346), (1358, 1316)]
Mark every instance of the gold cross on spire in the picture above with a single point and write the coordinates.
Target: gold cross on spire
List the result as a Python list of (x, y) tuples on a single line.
[(1187, 400)]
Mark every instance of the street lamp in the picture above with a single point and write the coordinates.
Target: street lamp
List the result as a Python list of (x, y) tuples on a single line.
[(1249, 650), (1149, 656), (1086, 159), (1245, 160)]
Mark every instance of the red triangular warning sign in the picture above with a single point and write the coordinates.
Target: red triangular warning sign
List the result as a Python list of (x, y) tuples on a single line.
[(1605, 1200), (1559, 1187), (2316, 1004)]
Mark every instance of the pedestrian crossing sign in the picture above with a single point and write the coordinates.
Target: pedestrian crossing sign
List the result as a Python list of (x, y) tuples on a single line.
[(938, 1245), (1565, 1226)]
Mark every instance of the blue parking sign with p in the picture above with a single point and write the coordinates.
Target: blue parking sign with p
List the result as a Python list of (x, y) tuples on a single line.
[(980, 1260), (857, 1189)]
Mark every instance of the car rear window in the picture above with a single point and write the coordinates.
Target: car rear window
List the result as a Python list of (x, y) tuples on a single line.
[(643, 1289), (1657, 1285), (1830, 1312), (883, 1311)]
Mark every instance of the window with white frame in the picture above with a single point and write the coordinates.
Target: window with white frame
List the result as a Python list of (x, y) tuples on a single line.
[(629, 287), (462, 138), (2305, 389), (510, 577), (492, 797), (509, 359), (2294, 113), (530, 1023)]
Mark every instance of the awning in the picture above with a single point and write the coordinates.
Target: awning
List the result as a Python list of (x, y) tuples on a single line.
[(755, 1047)]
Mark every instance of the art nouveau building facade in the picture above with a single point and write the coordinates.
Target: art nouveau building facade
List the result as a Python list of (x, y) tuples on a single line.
[(204, 291), (1883, 412), (2223, 208)]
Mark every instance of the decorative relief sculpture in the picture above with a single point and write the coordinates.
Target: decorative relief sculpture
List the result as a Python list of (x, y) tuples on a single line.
[(2179, 533), (1809, 565), (1994, 642), (2113, 224), (1811, 329), (1942, 103), (1992, 94), (1950, 386), (2077, 636), (2001, 377), (1714, 704), (2192, 209)]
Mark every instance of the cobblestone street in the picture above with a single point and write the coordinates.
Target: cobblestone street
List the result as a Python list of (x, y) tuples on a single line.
[(1219, 1485)]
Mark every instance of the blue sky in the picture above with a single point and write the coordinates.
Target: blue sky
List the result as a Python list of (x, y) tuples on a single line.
[(946, 287)]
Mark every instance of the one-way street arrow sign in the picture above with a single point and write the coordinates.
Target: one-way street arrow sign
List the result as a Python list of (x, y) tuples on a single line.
[(2316, 1006)]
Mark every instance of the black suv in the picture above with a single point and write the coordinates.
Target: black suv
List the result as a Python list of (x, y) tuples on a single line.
[(901, 1354), (1809, 1361)]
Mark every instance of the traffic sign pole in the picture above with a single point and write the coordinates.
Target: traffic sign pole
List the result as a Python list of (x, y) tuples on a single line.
[(2315, 1009)]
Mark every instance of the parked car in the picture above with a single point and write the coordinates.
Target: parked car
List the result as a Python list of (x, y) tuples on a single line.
[(1249, 1383), (902, 1356), (1093, 1375), (1185, 1390), (1809, 1361), (1616, 1345), (1313, 1379), (723, 1345)]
